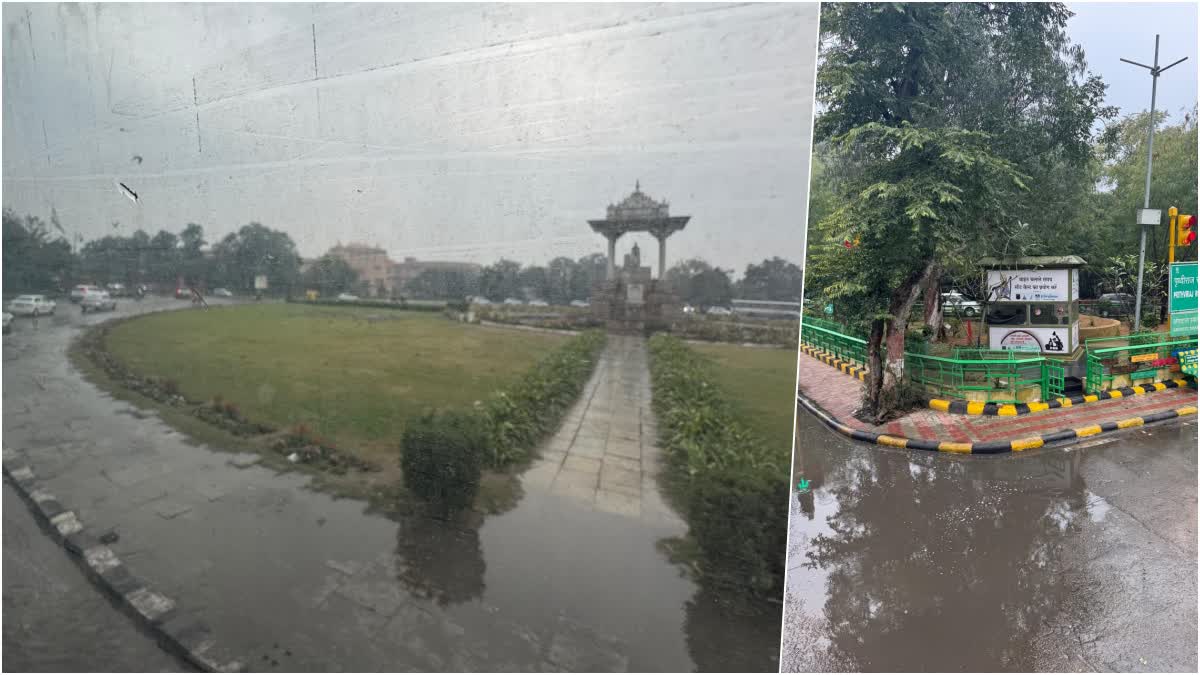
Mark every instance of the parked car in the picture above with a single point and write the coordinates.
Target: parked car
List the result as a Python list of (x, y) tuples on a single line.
[(81, 290), (1115, 304), (31, 305), (222, 293), (347, 297), (539, 303), (719, 311), (8, 318), (117, 290), (688, 309), (182, 293), (958, 304), (580, 303), (97, 301), (513, 301)]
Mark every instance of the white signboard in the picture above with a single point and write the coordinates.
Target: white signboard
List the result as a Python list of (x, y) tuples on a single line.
[(1027, 285), (1075, 284), (260, 282), (1056, 340), (633, 294)]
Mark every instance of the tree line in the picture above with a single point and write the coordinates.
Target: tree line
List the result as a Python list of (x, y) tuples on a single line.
[(38, 259)]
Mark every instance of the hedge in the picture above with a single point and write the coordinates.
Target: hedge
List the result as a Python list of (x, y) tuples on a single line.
[(444, 452), (413, 306), (732, 485)]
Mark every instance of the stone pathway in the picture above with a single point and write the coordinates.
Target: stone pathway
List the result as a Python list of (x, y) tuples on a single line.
[(605, 454)]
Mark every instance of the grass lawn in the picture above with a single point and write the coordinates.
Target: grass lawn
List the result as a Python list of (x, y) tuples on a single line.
[(353, 375), (762, 381)]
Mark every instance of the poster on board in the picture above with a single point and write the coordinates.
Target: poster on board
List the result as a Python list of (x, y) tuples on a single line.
[(1055, 340), (1028, 285)]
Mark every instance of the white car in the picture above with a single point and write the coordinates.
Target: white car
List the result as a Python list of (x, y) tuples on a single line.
[(7, 323), (347, 297), (81, 290), (957, 303), (479, 300), (719, 311), (31, 305), (222, 293), (538, 303), (513, 301), (97, 301), (580, 303)]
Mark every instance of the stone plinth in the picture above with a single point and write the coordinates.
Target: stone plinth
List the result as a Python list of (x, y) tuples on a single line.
[(635, 307)]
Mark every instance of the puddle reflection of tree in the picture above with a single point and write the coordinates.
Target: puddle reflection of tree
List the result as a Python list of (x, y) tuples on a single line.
[(440, 556), (944, 565), (725, 639)]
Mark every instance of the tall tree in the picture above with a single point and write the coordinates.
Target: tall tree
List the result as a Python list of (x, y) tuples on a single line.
[(774, 279), (330, 275), (254, 250), (949, 122), (499, 281)]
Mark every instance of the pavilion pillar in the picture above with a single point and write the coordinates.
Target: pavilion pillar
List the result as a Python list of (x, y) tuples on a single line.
[(612, 255), (662, 256)]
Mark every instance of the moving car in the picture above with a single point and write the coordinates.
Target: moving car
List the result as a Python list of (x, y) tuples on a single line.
[(958, 304), (81, 290), (182, 293), (97, 301), (117, 290), (7, 323), (719, 311), (222, 293), (580, 303), (31, 305), (538, 303), (513, 301), (347, 297)]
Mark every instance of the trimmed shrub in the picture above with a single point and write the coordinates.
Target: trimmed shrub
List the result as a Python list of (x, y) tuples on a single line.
[(522, 415), (732, 485), (443, 457)]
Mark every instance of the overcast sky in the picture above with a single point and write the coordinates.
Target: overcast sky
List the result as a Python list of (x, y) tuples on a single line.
[(453, 131), (1111, 31)]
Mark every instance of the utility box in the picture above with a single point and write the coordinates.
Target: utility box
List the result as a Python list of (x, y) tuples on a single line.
[(1032, 304)]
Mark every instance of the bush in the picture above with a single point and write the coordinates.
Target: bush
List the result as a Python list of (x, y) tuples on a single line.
[(733, 485), (519, 417), (444, 453), (443, 457)]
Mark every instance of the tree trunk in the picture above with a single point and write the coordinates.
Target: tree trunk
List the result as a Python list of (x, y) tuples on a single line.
[(933, 307), (883, 394)]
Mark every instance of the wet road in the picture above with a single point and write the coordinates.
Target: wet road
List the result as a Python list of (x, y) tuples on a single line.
[(1073, 559), (293, 579), (54, 620)]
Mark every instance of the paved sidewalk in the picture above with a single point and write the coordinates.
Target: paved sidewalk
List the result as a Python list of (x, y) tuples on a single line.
[(840, 394), (605, 455)]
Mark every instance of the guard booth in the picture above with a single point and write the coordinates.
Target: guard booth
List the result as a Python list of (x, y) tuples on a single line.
[(1032, 305)]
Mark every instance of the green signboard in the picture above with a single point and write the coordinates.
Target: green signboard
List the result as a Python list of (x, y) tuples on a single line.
[(1183, 323), (1183, 288)]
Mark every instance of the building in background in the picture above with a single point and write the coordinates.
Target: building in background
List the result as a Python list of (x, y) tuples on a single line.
[(371, 262)]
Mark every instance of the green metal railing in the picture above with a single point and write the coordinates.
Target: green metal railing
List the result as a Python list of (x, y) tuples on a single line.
[(845, 347), (1130, 339), (999, 376), (1105, 364)]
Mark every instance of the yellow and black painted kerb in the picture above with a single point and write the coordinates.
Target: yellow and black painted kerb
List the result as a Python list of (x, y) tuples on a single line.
[(846, 367), (961, 407), (990, 447)]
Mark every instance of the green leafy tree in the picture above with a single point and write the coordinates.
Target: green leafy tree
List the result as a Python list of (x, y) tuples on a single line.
[(500, 280), (330, 275), (948, 123), (255, 249), (590, 270), (33, 260), (439, 284), (699, 283), (774, 279)]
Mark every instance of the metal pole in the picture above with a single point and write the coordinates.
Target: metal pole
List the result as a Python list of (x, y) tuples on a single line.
[(1155, 71), (1137, 307)]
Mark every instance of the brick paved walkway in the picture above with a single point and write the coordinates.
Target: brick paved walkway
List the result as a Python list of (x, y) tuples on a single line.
[(605, 453), (839, 395)]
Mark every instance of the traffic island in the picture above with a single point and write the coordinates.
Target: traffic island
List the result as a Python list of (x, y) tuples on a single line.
[(833, 398), (964, 407)]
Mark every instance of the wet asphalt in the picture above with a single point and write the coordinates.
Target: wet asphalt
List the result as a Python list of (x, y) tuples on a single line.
[(1072, 559)]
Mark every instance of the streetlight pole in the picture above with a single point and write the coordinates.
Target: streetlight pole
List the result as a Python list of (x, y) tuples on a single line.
[(1155, 71)]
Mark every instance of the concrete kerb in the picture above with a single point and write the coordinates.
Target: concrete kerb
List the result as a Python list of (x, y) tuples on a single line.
[(175, 630), (963, 407), (1062, 437)]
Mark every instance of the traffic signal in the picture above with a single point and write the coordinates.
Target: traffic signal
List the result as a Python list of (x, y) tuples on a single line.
[(1185, 230)]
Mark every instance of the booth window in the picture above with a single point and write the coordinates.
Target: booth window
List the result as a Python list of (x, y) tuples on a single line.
[(1049, 315), (999, 315)]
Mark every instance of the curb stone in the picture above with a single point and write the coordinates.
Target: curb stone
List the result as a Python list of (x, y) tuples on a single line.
[(174, 630), (964, 407), (990, 447)]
